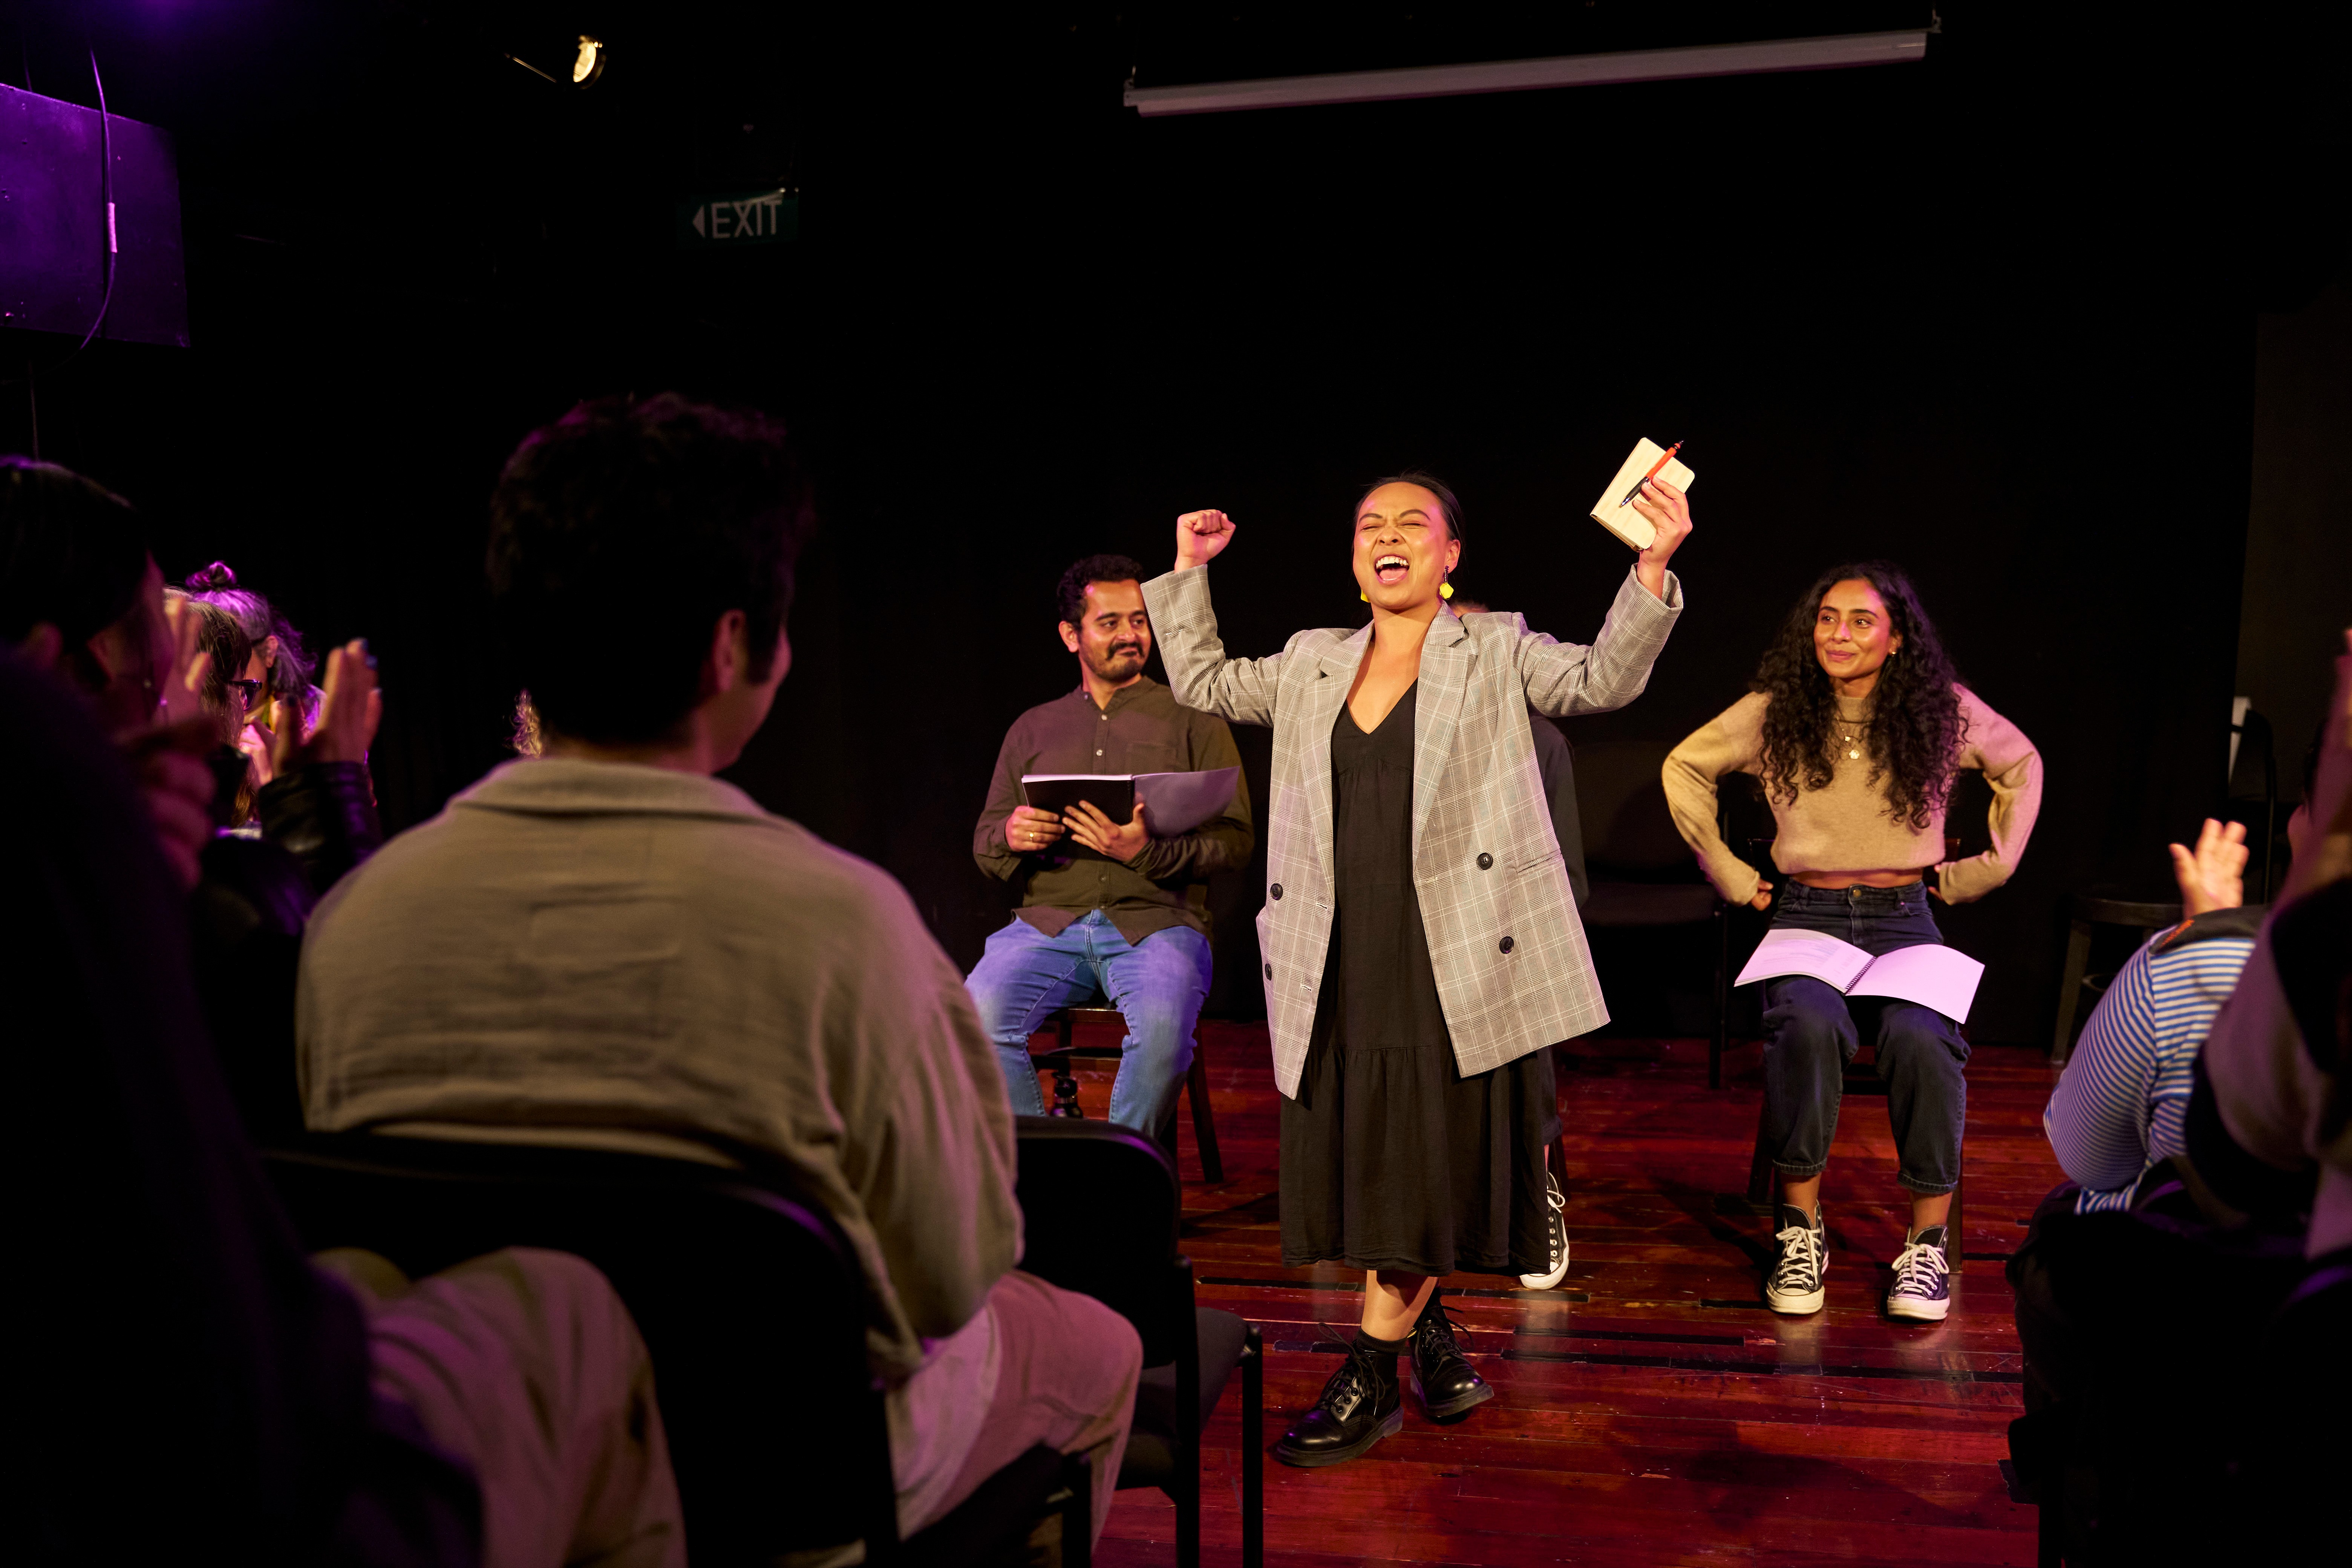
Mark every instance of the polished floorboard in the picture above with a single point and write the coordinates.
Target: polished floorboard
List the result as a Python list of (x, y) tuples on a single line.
[(1651, 1411)]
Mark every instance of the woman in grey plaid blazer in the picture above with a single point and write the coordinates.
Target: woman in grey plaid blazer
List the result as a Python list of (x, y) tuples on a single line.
[(1421, 943)]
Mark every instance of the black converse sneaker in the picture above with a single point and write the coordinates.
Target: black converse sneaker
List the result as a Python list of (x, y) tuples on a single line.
[(1357, 1409), (1795, 1284), (1923, 1279), (1555, 1264)]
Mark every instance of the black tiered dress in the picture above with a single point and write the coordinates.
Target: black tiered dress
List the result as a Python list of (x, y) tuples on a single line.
[(1390, 1158)]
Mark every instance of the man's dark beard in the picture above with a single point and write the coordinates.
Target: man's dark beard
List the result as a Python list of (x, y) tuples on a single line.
[(1104, 668)]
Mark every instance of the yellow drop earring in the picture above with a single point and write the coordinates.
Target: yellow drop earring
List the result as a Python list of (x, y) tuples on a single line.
[(1445, 590)]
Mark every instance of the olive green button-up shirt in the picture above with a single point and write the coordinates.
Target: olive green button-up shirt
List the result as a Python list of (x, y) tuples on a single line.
[(1142, 731)]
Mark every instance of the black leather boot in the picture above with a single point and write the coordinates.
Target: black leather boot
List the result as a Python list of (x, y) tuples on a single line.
[(1357, 1409), (1440, 1373)]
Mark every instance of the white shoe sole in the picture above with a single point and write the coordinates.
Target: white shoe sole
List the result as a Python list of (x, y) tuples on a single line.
[(1797, 1306), (1917, 1311), (1546, 1281)]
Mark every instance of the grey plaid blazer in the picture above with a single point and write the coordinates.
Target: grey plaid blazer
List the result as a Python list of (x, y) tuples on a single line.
[(1512, 973)]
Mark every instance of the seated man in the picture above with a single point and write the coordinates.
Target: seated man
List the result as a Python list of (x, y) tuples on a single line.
[(607, 947), (198, 1380), (1107, 909)]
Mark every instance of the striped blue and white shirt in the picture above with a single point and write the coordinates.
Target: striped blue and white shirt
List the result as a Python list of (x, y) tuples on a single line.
[(2119, 1103)]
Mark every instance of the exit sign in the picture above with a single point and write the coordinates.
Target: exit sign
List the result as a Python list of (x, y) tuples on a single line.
[(752, 217)]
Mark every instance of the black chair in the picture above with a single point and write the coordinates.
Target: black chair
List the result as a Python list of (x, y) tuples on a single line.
[(1101, 1207), (1641, 872), (1066, 1083), (749, 1305), (2090, 911)]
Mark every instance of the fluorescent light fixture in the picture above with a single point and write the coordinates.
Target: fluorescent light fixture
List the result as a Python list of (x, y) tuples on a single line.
[(1518, 76)]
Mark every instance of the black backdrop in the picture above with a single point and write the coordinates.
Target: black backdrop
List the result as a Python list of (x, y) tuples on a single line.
[(1990, 315)]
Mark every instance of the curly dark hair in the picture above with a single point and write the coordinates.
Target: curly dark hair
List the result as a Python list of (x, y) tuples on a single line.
[(1070, 592), (619, 535), (1916, 730)]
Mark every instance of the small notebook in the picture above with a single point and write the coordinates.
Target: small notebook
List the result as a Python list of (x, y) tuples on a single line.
[(1173, 804), (1613, 512), (1930, 973)]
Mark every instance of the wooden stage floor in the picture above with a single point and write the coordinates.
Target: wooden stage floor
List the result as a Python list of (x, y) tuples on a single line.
[(1651, 1410)]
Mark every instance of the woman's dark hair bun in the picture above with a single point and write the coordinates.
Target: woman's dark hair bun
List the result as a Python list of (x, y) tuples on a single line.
[(213, 579)]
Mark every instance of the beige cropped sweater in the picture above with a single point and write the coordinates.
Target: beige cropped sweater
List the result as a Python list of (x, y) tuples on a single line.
[(1845, 827)]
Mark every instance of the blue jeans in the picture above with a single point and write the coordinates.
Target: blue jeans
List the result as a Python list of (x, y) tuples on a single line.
[(1157, 984), (1812, 1032)]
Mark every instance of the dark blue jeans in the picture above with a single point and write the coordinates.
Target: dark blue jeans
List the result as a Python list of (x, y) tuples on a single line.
[(1812, 1032)]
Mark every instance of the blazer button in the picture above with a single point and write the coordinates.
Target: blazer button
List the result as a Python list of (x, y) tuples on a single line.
[(1269, 971), (1485, 862), (1506, 944), (1276, 889)]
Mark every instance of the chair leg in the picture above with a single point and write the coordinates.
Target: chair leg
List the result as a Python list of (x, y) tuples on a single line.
[(1253, 1449), (1955, 1225), (1714, 1045), (1065, 1081), (2050, 1528), (1759, 1168), (2070, 991), (1065, 1091), (1078, 1513), (1204, 1120)]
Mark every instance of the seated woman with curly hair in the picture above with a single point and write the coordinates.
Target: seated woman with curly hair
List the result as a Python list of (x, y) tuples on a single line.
[(1856, 724)]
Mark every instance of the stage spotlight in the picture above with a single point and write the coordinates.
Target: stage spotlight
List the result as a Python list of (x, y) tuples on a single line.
[(587, 63)]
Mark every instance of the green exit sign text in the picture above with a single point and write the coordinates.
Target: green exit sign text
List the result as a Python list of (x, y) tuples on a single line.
[(755, 217)]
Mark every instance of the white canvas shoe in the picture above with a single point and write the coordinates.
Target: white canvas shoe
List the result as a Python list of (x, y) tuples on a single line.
[(1557, 1202), (1795, 1285)]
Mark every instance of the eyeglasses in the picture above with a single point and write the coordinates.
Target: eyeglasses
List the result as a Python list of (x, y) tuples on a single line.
[(249, 690)]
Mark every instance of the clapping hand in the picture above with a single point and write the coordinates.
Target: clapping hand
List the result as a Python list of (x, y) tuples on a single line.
[(1201, 535), (2213, 875), (1120, 842), (168, 754), (348, 716)]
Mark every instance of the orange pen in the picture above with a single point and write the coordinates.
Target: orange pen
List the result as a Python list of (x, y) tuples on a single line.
[(1664, 458)]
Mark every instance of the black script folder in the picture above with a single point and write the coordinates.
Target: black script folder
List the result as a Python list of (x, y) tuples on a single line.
[(1173, 804)]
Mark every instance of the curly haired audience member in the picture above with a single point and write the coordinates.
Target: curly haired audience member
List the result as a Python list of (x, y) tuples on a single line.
[(1856, 724)]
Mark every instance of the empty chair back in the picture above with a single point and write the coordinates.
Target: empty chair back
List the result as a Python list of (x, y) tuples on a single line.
[(1102, 1205), (750, 1304)]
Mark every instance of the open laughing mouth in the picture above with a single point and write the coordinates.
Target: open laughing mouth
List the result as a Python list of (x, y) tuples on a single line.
[(1391, 569)]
